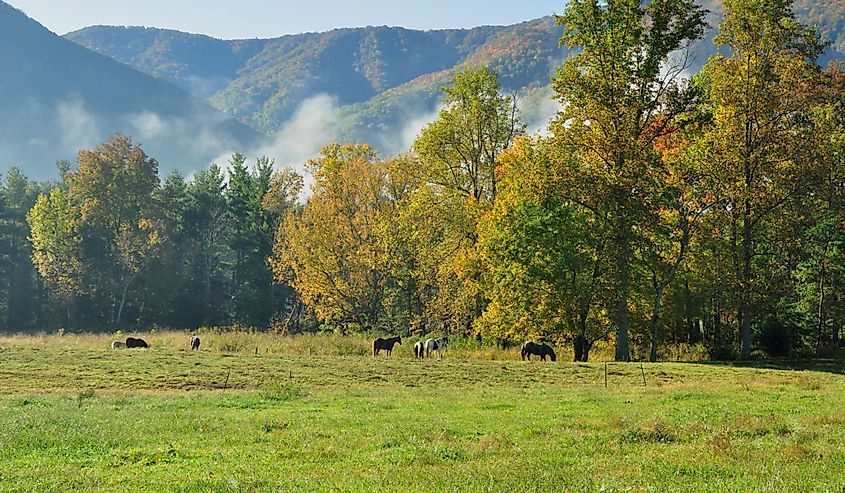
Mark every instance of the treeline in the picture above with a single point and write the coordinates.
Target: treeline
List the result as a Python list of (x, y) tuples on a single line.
[(116, 248), (656, 209)]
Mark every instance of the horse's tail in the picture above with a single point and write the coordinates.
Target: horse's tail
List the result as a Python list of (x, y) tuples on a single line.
[(375, 347)]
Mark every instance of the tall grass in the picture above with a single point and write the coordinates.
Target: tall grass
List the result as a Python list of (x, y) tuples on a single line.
[(243, 340)]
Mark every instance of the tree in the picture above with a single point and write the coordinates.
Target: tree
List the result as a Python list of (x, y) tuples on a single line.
[(99, 232), (679, 198), (207, 224), (54, 223), (114, 187), (759, 90), (281, 201), (22, 294), (332, 253), (545, 272), (251, 238), (459, 150), (820, 272), (456, 176), (615, 95)]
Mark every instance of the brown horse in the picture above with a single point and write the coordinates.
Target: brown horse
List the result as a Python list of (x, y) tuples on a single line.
[(386, 344), (541, 350)]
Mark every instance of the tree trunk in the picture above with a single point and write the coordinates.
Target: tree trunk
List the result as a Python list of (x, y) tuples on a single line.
[(207, 290), (655, 324), (820, 310), (122, 304), (585, 350), (72, 322), (694, 335), (578, 347), (747, 255), (623, 351)]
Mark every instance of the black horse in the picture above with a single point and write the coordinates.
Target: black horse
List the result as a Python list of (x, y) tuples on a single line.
[(132, 342), (386, 344), (541, 350)]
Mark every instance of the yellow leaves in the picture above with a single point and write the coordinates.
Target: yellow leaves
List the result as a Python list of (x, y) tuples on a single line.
[(56, 244), (138, 244), (334, 253)]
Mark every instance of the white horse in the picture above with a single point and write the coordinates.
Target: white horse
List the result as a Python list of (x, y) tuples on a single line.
[(418, 350), (438, 345), (118, 345)]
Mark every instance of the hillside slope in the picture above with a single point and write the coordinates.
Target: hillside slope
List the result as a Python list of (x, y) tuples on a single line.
[(263, 82), (57, 97)]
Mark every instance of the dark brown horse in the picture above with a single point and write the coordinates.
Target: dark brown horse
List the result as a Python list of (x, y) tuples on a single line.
[(386, 344), (541, 350), (132, 342)]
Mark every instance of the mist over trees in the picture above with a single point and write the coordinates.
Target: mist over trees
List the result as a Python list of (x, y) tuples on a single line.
[(655, 210)]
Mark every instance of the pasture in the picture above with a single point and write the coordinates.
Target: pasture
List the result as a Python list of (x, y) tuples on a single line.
[(320, 414)]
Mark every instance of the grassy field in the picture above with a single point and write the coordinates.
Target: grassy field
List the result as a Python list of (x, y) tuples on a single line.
[(77, 416)]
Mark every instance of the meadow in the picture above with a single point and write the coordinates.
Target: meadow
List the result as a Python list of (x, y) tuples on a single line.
[(253, 412)]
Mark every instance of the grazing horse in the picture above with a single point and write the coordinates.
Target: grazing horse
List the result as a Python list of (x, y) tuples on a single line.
[(418, 350), (132, 342), (118, 345), (195, 343), (438, 345), (386, 344), (541, 350)]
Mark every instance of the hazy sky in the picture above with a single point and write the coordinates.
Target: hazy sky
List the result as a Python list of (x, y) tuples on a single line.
[(267, 18)]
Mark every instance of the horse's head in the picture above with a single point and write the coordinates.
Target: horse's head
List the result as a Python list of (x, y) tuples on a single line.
[(552, 354)]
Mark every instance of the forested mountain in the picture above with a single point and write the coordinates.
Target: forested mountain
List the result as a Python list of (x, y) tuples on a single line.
[(57, 97), (383, 78)]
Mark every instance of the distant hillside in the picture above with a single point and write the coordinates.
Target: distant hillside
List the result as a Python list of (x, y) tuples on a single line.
[(373, 84), (263, 82), (57, 97)]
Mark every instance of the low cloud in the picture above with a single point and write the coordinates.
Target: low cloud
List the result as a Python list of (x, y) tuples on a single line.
[(411, 130), (311, 127), (77, 127), (148, 125), (538, 109)]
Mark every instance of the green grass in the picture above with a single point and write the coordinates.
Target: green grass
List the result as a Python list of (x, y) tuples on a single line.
[(75, 416)]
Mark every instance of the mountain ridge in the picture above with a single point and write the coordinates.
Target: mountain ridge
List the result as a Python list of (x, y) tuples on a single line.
[(58, 97), (353, 65)]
